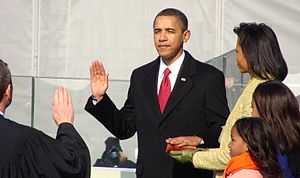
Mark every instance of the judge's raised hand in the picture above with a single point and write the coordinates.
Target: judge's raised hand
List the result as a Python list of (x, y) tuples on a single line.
[(62, 109), (98, 80)]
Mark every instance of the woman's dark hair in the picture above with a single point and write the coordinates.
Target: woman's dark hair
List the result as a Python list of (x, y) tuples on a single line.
[(261, 50), (276, 104), (261, 146)]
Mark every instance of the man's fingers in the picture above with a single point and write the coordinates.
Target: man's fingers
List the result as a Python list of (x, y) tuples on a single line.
[(55, 98), (101, 68), (60, 97), (97, 69), (94, 68), (188, 147), (69, 98), (91, 71), (178, 140), (66, 96), (183, 143), (63, 94)]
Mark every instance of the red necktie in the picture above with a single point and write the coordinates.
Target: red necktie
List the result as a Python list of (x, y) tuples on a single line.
[(164, 90)]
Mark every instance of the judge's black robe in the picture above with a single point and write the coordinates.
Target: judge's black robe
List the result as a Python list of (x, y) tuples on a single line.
[(28, 153)]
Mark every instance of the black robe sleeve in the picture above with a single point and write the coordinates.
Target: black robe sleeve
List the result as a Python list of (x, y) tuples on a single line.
[(41, 156)]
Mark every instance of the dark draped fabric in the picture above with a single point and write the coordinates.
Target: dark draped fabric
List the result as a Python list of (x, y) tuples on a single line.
[(29, 153)]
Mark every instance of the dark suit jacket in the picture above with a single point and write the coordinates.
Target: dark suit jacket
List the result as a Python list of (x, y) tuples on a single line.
[(28, 153), (197, 106)]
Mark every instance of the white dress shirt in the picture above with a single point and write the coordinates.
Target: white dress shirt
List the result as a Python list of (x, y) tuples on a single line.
[(174, 68)]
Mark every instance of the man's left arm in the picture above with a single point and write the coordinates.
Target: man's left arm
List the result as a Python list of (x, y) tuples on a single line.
[(216, 108), (216, 113)]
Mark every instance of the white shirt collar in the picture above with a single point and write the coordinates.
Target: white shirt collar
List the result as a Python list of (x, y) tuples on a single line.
[(1, 113), (174, 68)]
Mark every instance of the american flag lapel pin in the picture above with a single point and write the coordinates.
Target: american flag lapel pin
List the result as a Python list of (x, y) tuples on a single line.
[(183, 79)]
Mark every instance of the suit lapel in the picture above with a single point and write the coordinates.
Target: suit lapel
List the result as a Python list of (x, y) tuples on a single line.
[(150, 87), (182, 86)]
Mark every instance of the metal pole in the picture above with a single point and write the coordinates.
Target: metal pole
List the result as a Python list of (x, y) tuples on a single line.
[(32, 100)]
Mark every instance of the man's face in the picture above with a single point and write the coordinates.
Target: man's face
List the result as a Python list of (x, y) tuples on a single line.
[(169, 37)]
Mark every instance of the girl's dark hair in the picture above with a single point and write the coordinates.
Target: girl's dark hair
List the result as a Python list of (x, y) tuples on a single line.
[(261, 50), (277, 105), (261, 146)]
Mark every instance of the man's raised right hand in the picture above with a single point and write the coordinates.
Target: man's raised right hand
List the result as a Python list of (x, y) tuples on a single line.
[(98, 80)]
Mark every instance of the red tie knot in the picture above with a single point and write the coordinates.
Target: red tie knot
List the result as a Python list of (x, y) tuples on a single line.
[(167, 72)]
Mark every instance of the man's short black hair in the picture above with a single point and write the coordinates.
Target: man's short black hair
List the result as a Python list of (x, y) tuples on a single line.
[(174, 12), (5, 78)]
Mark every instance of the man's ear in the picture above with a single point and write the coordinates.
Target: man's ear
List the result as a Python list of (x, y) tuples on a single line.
[(186, 36), (8, 91), (8, 94)]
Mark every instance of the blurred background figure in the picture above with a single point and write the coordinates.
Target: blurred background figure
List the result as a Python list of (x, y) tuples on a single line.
[(113, 155)]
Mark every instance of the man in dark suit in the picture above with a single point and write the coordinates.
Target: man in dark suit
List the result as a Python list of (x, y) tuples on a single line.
[(29, 153), (175, 95)]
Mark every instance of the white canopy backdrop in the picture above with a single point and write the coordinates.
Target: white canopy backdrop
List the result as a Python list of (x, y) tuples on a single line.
[(54, 41)]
